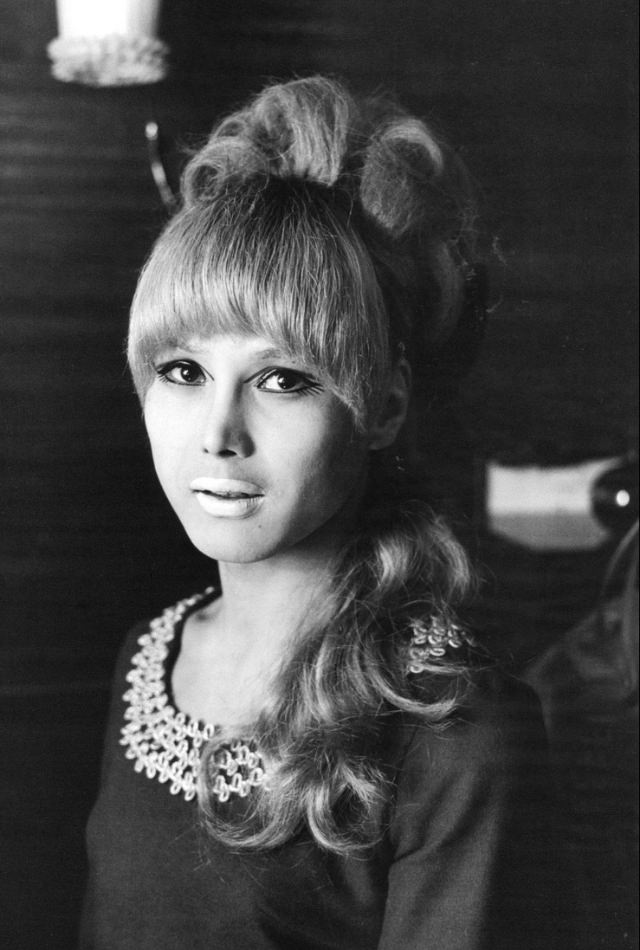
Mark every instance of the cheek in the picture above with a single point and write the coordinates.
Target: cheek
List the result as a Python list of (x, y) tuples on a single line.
[(166, 435), (334, 471)]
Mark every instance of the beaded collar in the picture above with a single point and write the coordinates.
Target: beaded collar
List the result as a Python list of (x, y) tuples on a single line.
[(166, 744)]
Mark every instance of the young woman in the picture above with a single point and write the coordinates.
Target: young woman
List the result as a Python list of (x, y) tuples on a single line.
[(305, 755)]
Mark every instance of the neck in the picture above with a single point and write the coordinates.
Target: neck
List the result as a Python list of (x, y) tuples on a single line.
[(265, 604)]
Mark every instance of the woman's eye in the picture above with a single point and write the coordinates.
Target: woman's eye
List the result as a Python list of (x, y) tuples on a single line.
[(182, 372), (286, 381)]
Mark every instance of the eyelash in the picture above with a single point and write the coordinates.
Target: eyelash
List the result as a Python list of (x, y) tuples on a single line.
[(309, 385), (164, 371)]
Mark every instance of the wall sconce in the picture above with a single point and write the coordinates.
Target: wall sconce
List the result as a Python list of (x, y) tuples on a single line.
[(108, 43), (114, 43)]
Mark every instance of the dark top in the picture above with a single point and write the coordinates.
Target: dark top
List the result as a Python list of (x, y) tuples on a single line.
[(466, 858)]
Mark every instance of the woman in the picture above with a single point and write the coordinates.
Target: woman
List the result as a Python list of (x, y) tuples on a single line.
[(305, 755)]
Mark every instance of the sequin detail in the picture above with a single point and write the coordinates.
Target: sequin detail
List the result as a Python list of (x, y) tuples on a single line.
[(166, 744), (236, 769), (431, 641)]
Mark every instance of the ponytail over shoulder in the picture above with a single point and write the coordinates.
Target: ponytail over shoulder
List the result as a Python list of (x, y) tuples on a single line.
[(350, 673)]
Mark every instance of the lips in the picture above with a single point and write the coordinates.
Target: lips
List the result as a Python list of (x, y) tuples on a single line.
[(225, 487), (226, 497)]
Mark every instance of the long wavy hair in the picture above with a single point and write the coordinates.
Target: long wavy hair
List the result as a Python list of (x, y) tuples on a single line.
[(344, 232)]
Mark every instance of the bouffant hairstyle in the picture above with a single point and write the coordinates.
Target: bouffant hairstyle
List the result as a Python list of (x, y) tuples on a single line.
[(343, 230), (339, 229)]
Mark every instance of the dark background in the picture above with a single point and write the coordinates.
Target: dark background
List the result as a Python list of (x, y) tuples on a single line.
[(539, 95)]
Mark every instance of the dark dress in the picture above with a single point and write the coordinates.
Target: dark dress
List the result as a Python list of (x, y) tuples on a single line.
[(466, 858)]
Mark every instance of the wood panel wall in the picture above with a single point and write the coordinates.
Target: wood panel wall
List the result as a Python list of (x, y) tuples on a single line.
[(540, 98)]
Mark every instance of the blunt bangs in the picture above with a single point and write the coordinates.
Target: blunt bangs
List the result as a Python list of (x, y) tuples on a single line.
[(278, 259)]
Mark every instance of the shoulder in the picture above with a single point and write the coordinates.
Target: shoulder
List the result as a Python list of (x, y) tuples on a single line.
[(492, 755), (472, 831), (497, 720), (130, 646)]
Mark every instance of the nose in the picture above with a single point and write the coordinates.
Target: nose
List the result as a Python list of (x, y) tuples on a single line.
[(225, 429)]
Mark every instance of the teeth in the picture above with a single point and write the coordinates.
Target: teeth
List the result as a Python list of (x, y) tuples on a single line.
[(233, 488), (226, 494)]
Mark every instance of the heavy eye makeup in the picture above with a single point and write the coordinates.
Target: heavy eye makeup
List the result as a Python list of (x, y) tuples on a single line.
[(280, 380), (181, 373)]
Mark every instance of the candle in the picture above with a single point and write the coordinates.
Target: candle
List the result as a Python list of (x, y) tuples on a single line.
[(108, 42)]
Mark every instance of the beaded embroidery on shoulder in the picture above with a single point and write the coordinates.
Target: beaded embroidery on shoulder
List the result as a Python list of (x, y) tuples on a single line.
[(433, 640), (166, 744)]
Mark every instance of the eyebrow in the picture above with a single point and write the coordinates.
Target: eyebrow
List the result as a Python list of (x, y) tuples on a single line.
[(191, 344), (272, 353), (285, 356)]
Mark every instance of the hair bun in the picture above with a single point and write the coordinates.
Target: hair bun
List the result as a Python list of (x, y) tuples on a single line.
[(392, 169), (296, 130), (401, 167)]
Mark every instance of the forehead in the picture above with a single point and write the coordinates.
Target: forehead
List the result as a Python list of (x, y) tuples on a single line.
[(247, 345)]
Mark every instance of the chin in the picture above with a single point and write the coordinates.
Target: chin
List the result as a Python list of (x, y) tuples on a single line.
[(238, 544), (238, 553), (233, 547)]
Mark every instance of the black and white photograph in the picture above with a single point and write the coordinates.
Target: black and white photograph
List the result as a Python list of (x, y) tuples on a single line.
[(319, 482)]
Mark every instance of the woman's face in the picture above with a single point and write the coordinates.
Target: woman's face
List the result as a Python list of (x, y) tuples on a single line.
[(256, 457)]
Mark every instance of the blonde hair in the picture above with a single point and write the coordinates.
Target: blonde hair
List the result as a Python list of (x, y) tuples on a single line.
[(339, 230)]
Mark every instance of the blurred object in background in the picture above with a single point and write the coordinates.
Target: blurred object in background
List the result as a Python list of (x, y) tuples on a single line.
[(108, 43), (588, 685), (614, 496), (567, 508)]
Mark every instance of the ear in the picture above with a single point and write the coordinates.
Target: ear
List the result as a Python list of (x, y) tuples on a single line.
[(392, 413)]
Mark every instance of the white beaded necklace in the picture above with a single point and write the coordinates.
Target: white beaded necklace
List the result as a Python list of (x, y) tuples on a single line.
[(166, 744)]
